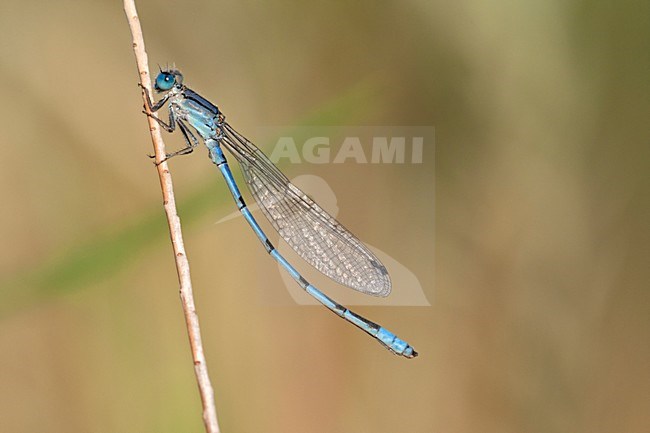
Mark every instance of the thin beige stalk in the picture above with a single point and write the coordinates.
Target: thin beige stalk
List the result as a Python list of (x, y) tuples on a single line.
[(169, 203)]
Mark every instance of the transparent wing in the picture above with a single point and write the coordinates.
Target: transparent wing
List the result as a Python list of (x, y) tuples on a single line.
[(317, 237)]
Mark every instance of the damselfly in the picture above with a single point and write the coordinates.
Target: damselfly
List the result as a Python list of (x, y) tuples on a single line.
[(317, 237)]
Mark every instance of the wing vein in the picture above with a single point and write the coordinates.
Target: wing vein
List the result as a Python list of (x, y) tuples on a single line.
[(315, 235)]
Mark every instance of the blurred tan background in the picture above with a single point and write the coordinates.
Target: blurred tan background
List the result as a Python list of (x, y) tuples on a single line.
[(539, 316)]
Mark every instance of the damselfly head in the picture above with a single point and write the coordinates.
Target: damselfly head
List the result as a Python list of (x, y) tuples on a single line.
[(168, 79)]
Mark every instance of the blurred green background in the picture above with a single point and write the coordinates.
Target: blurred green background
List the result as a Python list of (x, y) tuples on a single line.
[(539, 316)]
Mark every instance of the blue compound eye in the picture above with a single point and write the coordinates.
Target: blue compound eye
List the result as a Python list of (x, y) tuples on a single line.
[(164, 81)]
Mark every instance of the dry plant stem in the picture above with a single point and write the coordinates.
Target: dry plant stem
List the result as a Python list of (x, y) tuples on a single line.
[(182, 265)]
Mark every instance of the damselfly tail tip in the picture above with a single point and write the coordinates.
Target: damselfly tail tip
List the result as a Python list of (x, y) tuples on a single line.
[(411, 353)]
